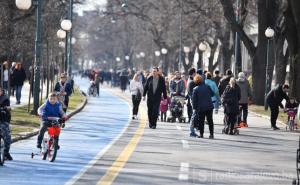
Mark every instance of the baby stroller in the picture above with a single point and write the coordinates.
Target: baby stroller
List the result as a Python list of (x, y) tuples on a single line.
[(176, 109), (227, 126), (92, 91)]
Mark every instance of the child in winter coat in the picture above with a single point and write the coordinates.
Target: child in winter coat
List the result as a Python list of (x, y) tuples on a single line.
[(164, 106), (291, 104)]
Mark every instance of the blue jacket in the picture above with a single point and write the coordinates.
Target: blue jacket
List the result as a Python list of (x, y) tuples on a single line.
[(49, 110), (202, 98), (213, 86)]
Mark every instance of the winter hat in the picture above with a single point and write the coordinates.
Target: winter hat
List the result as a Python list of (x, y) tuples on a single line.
[(242, 75), (200, 71)]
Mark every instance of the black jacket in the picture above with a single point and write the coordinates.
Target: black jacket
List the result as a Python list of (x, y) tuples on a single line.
[(161, 89), (201, 98), (18, 77), (223, 84), (231, 98), (275, 97), (5, 115)]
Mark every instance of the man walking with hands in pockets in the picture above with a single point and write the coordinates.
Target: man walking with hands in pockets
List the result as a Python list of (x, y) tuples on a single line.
[(154, 88)]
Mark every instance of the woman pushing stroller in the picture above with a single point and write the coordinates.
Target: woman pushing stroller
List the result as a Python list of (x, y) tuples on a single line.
[(230, 100)]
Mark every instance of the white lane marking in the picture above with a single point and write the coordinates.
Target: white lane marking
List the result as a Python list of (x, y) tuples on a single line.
[(178, 127), (103, 151), (184, 171), (185, 144)]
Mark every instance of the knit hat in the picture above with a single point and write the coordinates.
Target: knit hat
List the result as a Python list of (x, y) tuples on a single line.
[(241, 75), (200, 71)]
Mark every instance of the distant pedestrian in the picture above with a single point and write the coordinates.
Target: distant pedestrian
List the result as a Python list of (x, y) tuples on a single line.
[(64, 90), (97, 83), (217, 77), (225, 81), (5, 76), (230, 99), (136, 91), (18, 78), (123, 80), (154, 88), (164, 107), (274, 99), (12, 86), (246, 96), (203, 106), (213, 86), (190, 87)]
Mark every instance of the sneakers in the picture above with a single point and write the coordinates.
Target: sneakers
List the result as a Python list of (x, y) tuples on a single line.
[(39, 145), (193, 134), (8, 157), (201, 136)]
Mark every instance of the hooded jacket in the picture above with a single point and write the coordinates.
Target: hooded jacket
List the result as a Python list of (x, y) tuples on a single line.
[(245, 90)]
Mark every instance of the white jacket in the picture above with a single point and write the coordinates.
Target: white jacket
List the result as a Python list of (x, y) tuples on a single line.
[(135, 86)]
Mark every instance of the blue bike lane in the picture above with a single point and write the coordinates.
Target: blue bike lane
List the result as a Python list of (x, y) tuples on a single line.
[(86, 136)]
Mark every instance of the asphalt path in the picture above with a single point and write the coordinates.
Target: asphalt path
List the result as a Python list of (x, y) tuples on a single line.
[(86, 135)]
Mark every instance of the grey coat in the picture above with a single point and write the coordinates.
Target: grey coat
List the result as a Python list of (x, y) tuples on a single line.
[(245, 90)]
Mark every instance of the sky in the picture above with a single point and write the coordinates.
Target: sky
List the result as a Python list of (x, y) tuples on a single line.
[(89, 5)]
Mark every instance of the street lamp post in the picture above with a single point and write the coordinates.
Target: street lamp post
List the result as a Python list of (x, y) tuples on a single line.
[(142, 55), (62, 34), (157, 54), (164, 51), (25, 5), (202, 48), (269, 33), (66, 25)]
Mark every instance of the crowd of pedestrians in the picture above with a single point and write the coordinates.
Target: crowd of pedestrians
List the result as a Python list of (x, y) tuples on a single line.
[(204, 94)]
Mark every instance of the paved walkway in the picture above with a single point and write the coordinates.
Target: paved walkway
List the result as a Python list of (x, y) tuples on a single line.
[(86, 135), (25, 96), (94, 151)]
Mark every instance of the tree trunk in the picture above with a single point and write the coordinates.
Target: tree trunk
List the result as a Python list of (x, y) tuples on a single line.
[(213, 48), (293, 38), (281, 61)]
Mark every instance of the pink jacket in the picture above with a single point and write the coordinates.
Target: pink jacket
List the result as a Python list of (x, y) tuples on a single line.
[(164, 104)]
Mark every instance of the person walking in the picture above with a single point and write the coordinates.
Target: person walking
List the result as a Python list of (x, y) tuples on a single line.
[(177, 87), (213, 86), (203, 106), (246, 96), (5, 76), (190, 87), (230, 99), (225, 81), (18, 78), (274, 99), (98, 79), (64, 89), (12, 86), (136, 90), (217, 77), (124, 80), (154, 88)]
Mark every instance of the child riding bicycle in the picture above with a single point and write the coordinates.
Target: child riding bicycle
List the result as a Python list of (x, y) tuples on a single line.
[(51, 108), (291, 108)]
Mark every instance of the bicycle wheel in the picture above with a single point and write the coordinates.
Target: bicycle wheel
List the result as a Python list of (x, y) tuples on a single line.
[(1, 151), (52, 149)]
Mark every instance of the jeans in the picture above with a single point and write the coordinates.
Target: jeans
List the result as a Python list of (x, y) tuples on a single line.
[(243, 112), (6, 136), (189, 109), (274, 115), (193, 120), (136, 103), (18, 89), (163, 116)]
